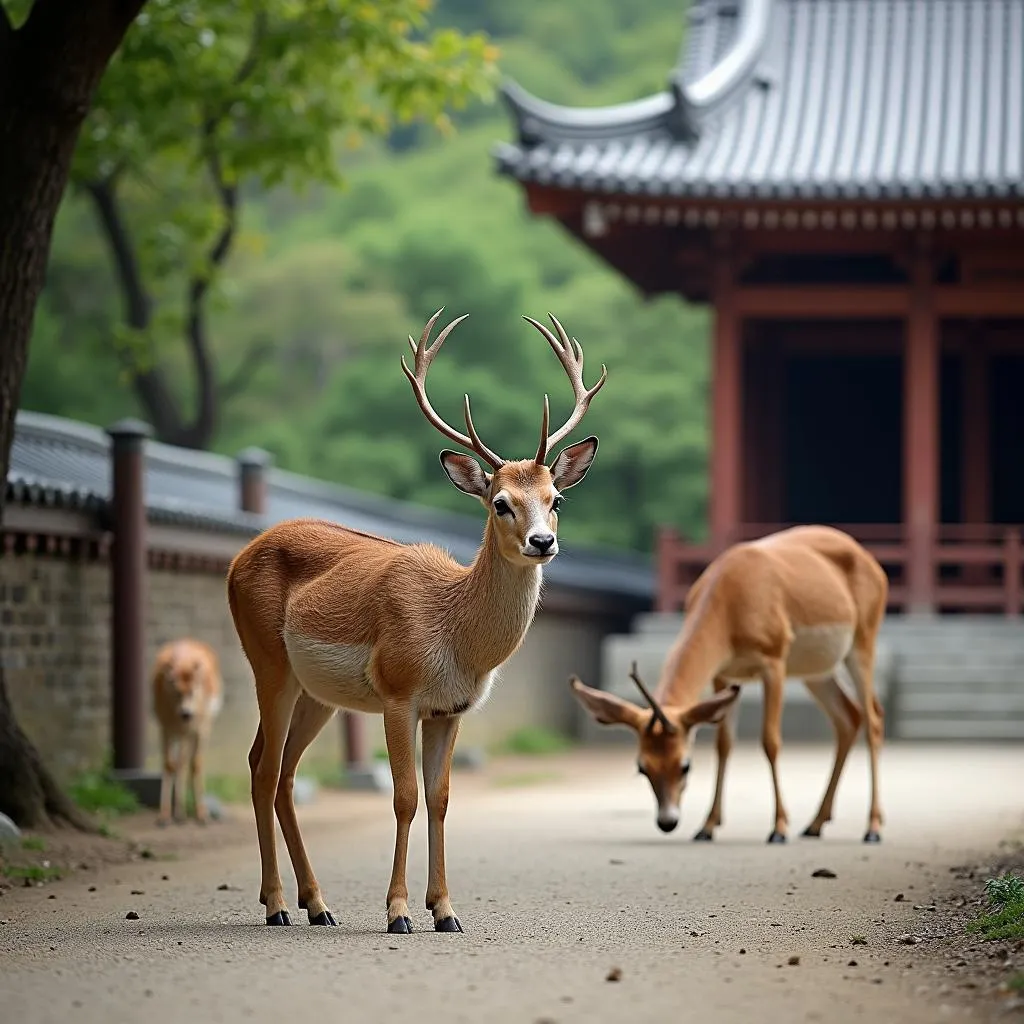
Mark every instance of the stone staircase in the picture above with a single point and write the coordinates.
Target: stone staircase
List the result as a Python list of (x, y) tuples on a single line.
[(948, 678)]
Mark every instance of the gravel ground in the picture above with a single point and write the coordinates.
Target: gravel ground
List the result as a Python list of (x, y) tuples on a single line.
[(575, 907)]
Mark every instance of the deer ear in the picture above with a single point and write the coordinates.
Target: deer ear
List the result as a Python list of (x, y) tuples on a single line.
[(712, 711), (465, 472), (573, 462), (606, 708)]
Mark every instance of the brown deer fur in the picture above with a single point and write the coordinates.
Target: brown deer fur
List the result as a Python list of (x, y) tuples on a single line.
[(797, 603), (330, 617), (186, 699)]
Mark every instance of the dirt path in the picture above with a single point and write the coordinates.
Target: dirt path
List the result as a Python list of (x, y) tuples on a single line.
[(559, 876)]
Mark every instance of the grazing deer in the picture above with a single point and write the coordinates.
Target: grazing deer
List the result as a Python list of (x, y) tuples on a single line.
[(186, 699), (330, 617), (799, 602)]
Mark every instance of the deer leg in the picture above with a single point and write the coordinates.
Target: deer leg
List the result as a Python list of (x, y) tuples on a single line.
[(196, 777), (277, 696), (860, 663), (400, 722), (845, 718), (170, 754), (771, 740), (723, 747), (438, 746), (180, 768), (308, 719)]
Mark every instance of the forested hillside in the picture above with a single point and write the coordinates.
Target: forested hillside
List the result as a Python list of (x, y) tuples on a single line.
[(312, 307)]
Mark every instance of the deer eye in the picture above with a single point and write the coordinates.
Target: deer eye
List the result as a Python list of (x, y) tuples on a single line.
[(685, 769), (502, 507), (556, 504)]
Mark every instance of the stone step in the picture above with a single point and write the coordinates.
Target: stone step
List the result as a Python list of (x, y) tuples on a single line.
[(920, 728), (916, 675), (965, 705)]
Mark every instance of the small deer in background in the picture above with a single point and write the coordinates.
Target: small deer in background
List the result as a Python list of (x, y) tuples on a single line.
[(187, 696), (797, 603), (330, 617)]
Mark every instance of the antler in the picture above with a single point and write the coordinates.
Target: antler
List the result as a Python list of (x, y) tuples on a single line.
[(424, 356), (570, 355), (655, 706)]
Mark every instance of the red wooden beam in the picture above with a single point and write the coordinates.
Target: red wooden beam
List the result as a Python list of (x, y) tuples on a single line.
[(823, 302), (961, 301), (921, 436), (726, 412)]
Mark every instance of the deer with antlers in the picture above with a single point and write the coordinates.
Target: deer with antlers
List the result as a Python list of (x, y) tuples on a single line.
[(797, 603), (330, 617)]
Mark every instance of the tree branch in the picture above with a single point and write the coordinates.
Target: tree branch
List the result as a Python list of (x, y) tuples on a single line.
[(253, 361), (150, 385), (138, 306)]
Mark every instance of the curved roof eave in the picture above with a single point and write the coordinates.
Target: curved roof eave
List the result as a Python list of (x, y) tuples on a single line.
[(678, 110)]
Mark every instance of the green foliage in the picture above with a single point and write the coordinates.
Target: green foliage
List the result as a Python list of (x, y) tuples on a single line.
[(333, 278), (29, 873), (1006, 896), (1005, 890), (95, 792), (33, 843), (231, 789), (533, 740)]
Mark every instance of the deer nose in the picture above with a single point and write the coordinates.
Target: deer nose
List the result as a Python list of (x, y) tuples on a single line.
[(542, 541), (185, 714)]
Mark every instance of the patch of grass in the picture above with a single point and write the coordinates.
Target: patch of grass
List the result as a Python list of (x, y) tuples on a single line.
[(95, 793), (231, 789), (381, 754), (858, 940), (32, 872), (1006, 920), (533, 740), (1016, 983), (1005, 891), (33, 843)]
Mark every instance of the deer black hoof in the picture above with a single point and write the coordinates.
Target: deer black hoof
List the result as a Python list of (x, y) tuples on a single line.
[(703, 836), (324, 917), (811, 832), (400, 926), (447, 924), (776, 837), (872, 836), (281, 917)]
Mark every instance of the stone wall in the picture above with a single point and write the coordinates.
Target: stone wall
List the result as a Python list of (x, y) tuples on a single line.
[(55, 646), (55, 650)]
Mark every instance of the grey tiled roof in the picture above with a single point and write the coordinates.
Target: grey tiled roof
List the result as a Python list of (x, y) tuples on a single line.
[(62, 463), (813, 98)]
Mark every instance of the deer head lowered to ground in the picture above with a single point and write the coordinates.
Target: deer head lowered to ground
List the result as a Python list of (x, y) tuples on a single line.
[(330, 617), (797, 603)]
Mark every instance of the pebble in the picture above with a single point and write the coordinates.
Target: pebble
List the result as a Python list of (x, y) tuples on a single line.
[(615, 974), (823, 873), (131, 916), (908, 939), (138, 892), (793, 961), (900, 898)]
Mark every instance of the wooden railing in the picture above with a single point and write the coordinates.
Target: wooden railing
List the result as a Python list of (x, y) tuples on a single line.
[(975, 568)]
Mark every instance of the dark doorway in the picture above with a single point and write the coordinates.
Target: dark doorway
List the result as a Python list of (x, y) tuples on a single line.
[(1007, 438), (843, 438)]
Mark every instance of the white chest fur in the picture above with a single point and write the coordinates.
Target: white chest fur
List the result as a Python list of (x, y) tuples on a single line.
[(815, 652), (337, 675)]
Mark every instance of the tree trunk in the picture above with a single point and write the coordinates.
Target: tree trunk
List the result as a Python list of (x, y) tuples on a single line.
[(49, 70)]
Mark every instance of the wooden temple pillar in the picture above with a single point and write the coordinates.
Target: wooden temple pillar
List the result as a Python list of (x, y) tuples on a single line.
[(921, 365), (726, 405), (977, 499)]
